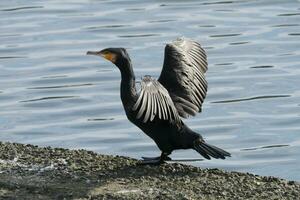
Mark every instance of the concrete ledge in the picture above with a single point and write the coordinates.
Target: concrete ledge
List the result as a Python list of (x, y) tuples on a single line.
[(31, 172)]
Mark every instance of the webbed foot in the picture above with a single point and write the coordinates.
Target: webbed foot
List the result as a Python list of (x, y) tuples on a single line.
[(167, 158), (155, 160)]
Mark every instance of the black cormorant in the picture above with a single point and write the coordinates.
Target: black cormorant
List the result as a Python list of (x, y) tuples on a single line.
[(178, 92)]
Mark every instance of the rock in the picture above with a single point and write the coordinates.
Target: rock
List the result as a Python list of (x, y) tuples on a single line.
[(31, 172)]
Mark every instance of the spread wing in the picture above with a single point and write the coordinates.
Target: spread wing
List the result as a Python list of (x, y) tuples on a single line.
[(183, 75), (154, 101)]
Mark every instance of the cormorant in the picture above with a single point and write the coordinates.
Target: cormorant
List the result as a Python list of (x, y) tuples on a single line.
[(178, 92)]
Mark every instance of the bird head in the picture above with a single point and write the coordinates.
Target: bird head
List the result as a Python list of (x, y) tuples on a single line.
[(116, 55)]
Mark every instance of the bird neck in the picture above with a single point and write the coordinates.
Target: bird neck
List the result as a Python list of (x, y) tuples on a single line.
[(128, 90)]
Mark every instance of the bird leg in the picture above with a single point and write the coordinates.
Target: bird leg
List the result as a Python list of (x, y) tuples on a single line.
[(155, 160)]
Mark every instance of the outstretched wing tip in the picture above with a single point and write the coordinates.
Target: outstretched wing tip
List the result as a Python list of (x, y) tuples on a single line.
[(183, 75)]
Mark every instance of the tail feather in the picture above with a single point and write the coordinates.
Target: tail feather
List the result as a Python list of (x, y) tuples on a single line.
[(212, 152), (202, 151), (207, 150)]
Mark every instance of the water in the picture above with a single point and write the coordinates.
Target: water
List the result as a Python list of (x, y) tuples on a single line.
[(51, 93)]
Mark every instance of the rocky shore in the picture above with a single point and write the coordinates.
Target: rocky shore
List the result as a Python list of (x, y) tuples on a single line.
[(31, 172)]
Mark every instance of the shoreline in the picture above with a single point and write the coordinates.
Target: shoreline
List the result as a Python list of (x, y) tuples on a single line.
[(32, 172)]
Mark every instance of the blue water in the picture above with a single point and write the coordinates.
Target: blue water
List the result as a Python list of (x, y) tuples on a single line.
[(51, 93)]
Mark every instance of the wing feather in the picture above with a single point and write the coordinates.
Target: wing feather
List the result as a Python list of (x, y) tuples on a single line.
[(148, 107), (154, 101), (182, 75), (153, 107), (143, 105), (159, 111)]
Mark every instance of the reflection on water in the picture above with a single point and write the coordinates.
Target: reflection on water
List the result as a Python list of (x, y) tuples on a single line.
[(51, 93)]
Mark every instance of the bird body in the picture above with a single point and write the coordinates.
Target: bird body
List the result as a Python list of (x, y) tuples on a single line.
[(179, 92)]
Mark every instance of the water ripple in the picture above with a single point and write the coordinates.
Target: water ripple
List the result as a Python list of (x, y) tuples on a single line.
[(54, 76), (22, 8), (61, 86), (135, 9), (11, 57), (265, 147), (222, 64), (49, 98), (238, 43), (294, 34), (10, 35), (112, 26), (138, 35), (225, 35), (262, 66), (100, 119), (218, 2), (251, 98), (285, 25), (162, 21), (288, 14)]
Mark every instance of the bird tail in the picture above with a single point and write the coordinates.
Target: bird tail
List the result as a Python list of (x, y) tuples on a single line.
[(207, 150)]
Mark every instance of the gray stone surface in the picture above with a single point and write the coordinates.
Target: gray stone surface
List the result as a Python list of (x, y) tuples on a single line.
[(30, 172)]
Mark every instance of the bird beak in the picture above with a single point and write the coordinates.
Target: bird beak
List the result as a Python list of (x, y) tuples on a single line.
[(95, 53), (108, 56)]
